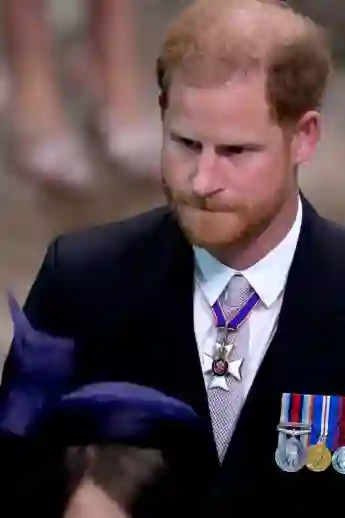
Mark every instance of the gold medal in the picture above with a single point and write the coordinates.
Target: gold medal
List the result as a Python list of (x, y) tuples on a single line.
[(319, 457)]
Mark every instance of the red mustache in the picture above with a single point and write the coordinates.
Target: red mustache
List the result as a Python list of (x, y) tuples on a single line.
[(207, 204), (190, 199)]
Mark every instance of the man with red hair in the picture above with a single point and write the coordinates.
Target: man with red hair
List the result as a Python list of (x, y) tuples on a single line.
[(231, 297)]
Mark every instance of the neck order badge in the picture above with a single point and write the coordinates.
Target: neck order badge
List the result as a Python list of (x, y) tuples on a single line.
[(220, 364)]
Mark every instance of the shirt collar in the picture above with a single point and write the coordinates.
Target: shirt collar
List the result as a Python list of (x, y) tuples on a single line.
[(213, 276)]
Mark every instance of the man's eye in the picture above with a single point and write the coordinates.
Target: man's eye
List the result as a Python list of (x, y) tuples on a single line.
[(231, 150), (193, 145)]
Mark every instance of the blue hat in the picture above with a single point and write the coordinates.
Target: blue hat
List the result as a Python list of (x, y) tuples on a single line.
[(122, 413)]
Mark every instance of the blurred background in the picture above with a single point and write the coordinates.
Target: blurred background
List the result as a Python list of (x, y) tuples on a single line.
[(79, 123)]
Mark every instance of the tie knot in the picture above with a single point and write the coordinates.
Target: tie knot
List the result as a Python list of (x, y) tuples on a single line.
[(236, 293)]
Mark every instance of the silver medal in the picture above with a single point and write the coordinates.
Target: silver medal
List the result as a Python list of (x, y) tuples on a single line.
[(338, 460), (290, 455)]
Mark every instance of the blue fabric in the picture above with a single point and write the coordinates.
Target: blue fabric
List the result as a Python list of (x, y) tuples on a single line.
[(42, 369), (120, 412), (118, 396)]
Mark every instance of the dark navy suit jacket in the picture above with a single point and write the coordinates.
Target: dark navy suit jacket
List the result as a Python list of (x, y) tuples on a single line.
[(124, 292)]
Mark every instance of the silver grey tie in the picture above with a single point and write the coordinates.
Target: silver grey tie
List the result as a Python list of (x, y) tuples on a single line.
[(225, 405)]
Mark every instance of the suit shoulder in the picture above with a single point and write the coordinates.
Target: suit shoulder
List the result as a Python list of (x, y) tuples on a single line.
[(330, 257), (103, 241), (334, 234)]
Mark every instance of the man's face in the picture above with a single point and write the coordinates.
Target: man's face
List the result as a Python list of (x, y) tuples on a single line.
[(90, 501), (227, 167)]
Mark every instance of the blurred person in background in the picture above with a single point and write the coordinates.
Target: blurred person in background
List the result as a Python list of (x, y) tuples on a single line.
[(231, 296), (45, 142)]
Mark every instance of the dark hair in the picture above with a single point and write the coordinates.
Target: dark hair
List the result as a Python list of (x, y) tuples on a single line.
[(121, 471), (143, 481)]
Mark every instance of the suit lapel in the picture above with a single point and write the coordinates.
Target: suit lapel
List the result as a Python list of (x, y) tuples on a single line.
[(174, 302)]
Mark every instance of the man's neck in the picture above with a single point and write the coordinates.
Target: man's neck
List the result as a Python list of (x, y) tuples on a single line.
[(241, 256)]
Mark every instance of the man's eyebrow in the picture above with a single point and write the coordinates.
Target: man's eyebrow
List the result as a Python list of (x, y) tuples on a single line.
[(245, 145), (178, 135), (235, 144)]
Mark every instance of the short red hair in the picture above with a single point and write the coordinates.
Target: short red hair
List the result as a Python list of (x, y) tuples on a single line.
[(212, 39)]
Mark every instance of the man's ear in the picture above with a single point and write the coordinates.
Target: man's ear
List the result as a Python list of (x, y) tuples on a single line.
[(306, 137)]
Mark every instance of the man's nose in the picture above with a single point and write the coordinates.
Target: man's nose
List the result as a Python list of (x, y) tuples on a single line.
[(207, 179)]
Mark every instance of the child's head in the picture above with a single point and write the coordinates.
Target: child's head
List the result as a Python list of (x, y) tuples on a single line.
[(115, 450), (105, 481)]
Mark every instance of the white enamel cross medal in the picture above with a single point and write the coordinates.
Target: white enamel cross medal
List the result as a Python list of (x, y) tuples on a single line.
[(221, 368)]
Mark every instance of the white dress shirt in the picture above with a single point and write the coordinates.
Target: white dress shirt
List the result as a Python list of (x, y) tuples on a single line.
[(267, 277)]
